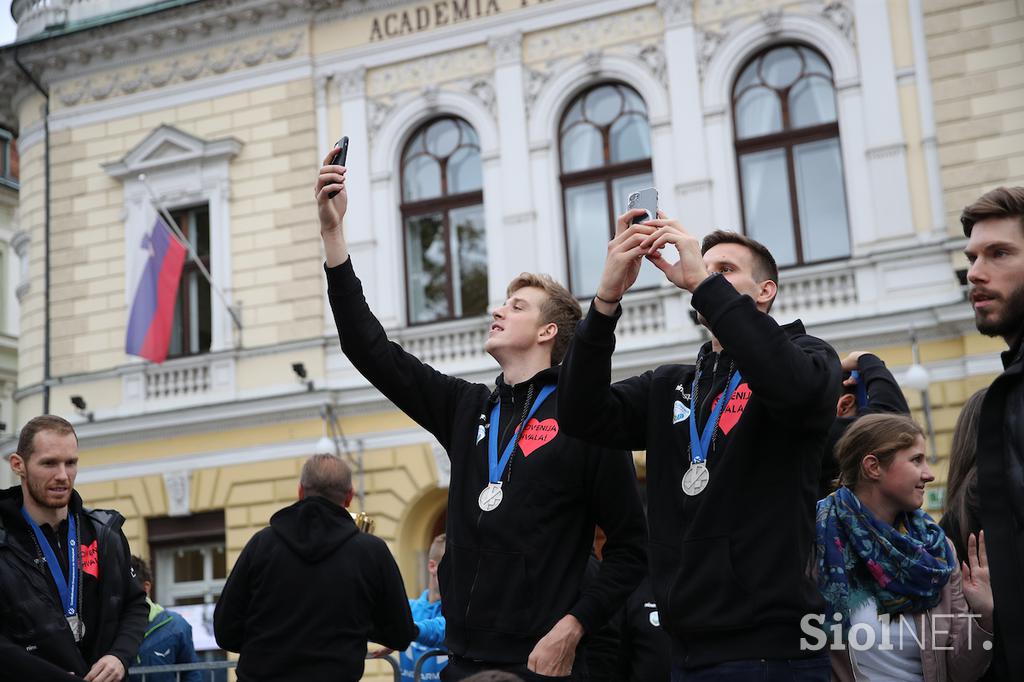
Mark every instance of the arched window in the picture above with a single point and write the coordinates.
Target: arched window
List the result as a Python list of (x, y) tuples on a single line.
[(605, 153), (787, 151), (443, 218)]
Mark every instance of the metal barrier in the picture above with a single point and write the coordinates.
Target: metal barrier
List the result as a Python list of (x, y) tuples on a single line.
[(214, 667), (418, 670), (211, 667)]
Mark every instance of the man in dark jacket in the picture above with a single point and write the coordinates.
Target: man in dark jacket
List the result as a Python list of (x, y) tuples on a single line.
[(868, 388), (731, 509), (70, 606), (524, 498), (168, 638), (308, 592), (994, 226)]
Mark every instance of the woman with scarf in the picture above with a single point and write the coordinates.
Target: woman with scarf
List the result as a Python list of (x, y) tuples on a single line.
[(902, 605)]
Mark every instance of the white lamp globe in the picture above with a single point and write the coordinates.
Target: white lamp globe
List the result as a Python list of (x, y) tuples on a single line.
[(917, 378), (324, 446)]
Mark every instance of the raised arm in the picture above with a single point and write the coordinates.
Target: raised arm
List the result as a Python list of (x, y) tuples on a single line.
[(884, 394), (789, 373), (589, 406), (426, 395)]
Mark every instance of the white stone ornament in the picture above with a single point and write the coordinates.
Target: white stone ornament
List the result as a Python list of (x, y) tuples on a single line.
[(655, 619), (480, 433), (680, 412), (696, 479)]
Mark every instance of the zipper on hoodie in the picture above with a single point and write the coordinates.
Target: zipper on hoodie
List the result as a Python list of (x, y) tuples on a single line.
[(480, 515)]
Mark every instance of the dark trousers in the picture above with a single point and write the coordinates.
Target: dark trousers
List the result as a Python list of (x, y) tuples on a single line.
[(461, 668), (818, 669)]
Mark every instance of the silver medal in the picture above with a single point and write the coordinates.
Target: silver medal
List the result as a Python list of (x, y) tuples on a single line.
[(490, 497), (696, 479), (77, 627)]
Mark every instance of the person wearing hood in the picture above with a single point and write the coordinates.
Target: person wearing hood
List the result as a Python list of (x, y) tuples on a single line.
[(70, 608), (309, 591), (524, 498)]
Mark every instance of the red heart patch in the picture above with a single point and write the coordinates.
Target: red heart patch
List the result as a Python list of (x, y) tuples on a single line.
[(90, 560), (537, 434), (734, 408)]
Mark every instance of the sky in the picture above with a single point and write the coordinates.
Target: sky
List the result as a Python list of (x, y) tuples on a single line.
[(7, 26)]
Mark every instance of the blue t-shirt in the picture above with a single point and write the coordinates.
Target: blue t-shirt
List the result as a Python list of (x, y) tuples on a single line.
[(430, 622)]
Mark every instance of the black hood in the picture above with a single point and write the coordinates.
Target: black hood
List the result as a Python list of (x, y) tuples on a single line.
[(314, 528)]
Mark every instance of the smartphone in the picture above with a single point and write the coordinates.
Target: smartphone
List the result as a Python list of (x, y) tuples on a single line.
[(646, 199), (339, 158)]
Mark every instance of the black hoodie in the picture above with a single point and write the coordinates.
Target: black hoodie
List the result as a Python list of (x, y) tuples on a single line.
[(729, 566), (510, 574), (306, 595), (35, 641)]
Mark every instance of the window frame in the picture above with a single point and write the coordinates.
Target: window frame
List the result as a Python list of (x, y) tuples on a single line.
[(606, 174), (190, 268), (442, 204), (786, 139)]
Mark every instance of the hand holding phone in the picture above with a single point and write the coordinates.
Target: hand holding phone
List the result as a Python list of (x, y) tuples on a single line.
[(340, 158), (646, 199)]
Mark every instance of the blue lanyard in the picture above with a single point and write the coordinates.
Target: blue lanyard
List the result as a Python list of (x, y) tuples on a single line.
[(699, 447), (66, 587), (497, 467)]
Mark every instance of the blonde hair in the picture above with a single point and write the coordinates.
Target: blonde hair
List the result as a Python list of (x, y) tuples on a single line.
[(560, 308), (436, 550)]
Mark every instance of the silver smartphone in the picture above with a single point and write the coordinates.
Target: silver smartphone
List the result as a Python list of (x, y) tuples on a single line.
[(646, 199)]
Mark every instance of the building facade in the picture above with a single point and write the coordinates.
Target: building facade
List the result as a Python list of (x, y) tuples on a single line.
[(488, 137)]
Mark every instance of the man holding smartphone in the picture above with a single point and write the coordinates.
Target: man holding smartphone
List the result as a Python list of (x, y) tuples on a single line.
[(524, 498), (733, 449)]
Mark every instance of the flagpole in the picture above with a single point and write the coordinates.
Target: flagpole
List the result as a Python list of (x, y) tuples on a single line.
[(165, 214)]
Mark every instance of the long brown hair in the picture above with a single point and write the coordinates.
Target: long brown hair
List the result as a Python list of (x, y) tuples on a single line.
[(881, 435), (961, 489)]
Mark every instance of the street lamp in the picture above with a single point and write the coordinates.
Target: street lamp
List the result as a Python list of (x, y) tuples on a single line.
[(917, 378)]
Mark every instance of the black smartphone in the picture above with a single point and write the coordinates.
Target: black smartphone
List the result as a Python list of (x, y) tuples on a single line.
[(340, 158), (646, 199)]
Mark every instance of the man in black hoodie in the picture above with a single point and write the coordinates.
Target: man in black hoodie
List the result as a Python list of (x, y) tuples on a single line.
[(70, 608), (309, 591), (731, 510), (524, 498)]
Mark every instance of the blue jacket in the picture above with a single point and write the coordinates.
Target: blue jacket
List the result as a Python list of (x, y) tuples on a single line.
[(168, 640), (430, 622)]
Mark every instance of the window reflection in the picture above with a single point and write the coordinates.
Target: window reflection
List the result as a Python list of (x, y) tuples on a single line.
[(442, 210), (605, 153), (788, 155)]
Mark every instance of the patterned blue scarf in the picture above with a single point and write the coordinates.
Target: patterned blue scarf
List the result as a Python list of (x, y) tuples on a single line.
[(859, 557)]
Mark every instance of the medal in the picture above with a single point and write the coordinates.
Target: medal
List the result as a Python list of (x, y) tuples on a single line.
[(490, 497), (77, 627), (67, 587), (696, 479)]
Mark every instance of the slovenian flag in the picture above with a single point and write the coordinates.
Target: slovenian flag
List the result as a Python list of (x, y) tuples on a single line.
[(149, 326)]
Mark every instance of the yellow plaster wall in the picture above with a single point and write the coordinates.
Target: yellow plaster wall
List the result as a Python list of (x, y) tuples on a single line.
[(976, 53), (272, 242)]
